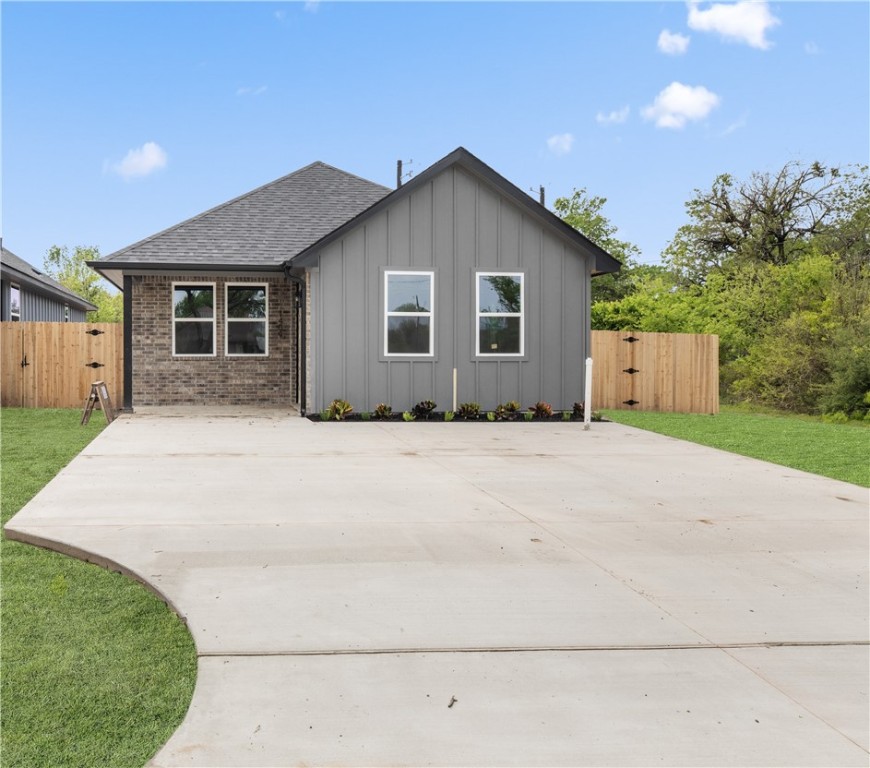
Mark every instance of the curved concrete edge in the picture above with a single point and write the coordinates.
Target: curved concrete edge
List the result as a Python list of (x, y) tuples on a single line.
[(87, 556)]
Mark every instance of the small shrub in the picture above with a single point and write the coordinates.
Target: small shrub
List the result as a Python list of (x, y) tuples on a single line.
[(424, 409), (566, 415), (507, 411), (448, 415), (490, 416), (469, 410), (408, 416), (541, 410), (528, 416), (365, 416), (579, 411), (383, 411), (339, 409), (325, 416), (837, 417)]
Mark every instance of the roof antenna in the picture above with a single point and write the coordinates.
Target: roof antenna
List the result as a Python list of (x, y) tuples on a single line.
[(399, 175), (541, 195)]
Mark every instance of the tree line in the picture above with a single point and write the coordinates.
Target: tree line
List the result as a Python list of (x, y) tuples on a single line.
[(777, 265)]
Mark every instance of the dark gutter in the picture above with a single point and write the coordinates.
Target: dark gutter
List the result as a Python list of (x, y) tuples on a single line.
[(168, 268), (302, 342), (38, 286), (128, 343)]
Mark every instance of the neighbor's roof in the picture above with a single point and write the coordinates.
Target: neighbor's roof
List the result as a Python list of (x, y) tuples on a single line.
[(460, 156), (263, 228), (16, 268)]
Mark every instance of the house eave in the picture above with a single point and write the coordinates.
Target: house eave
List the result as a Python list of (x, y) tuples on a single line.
[(41, 288), (114, 271)]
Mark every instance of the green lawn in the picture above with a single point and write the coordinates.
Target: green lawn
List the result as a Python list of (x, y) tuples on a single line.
[(840, 451), (96, 671)]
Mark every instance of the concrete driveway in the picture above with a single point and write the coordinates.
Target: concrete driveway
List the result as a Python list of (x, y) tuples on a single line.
[(482, 594)]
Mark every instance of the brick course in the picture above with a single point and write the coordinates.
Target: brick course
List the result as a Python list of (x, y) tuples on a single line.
[(161, 379)]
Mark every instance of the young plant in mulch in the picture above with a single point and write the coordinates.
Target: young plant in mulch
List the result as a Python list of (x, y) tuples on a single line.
[(409, 416), (507, 411), (339, 410), (541, 410), (423, 409), (449, 415), (578, 412), (469, 411), (382, 412)]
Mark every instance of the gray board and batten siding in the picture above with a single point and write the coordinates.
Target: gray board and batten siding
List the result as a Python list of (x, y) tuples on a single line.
[(455, 223), (28, 295)]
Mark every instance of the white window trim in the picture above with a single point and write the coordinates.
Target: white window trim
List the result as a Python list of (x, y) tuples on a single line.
[(14, 316), (520, 315), (430, 314), (228, 319), (176, 320)]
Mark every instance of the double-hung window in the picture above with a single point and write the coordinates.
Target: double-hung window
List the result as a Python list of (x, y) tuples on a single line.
[(409, 327), (247, 331), (500, 320), (193, 319)]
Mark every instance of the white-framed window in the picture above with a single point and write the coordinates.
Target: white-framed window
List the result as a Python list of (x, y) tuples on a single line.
[(409, 322), (66, 313), (500, 319), (14, 303), (247, 320), (193, 319)]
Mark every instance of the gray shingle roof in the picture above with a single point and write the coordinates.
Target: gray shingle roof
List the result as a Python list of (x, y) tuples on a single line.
[(262, 228), (15, 267)]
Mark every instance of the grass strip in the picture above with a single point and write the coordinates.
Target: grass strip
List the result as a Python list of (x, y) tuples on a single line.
[(96, 671), (838, 451)]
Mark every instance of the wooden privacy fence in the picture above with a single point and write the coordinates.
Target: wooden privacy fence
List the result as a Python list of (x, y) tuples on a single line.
[(52, 365), (677, 372)]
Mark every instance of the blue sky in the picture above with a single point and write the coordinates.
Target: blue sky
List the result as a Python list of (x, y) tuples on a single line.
[(121, 119)]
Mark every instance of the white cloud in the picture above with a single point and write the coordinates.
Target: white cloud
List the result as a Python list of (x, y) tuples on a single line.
[(615, 117), (143, 161), (561, 143), (746, 21), (251, 91), (811, 48), (280, 15), (673, 43), (311, 6), (678, 104)]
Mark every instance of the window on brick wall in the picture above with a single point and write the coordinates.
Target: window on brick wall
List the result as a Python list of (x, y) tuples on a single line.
[(247, 320), (193, 319)]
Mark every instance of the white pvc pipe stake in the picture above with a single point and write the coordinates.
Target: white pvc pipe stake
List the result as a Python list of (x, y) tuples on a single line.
[(587, 402)]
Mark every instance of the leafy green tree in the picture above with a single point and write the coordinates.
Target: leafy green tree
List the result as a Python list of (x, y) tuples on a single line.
[(584, 213), (771, 217), (72, 271)]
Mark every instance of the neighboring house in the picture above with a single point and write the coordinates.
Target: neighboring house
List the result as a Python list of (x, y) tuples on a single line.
[(27, 295), (323, 285)]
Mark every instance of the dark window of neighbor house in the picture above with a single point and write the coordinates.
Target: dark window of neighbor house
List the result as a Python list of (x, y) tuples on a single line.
[(14, 303), (193, 319), (408, 321), (247, 320), (500, 313)]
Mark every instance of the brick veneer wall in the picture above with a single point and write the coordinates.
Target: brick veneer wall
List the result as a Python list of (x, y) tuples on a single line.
[(161, 379)]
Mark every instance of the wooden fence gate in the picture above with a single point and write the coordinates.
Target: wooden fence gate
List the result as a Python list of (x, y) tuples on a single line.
[(676, 372), (52, 365)]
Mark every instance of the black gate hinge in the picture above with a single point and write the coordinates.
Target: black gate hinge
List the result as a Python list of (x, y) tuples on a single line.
[(631, 370), (24, 362), (631, 402), (631, 339), (94, 364), (94, 332)]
